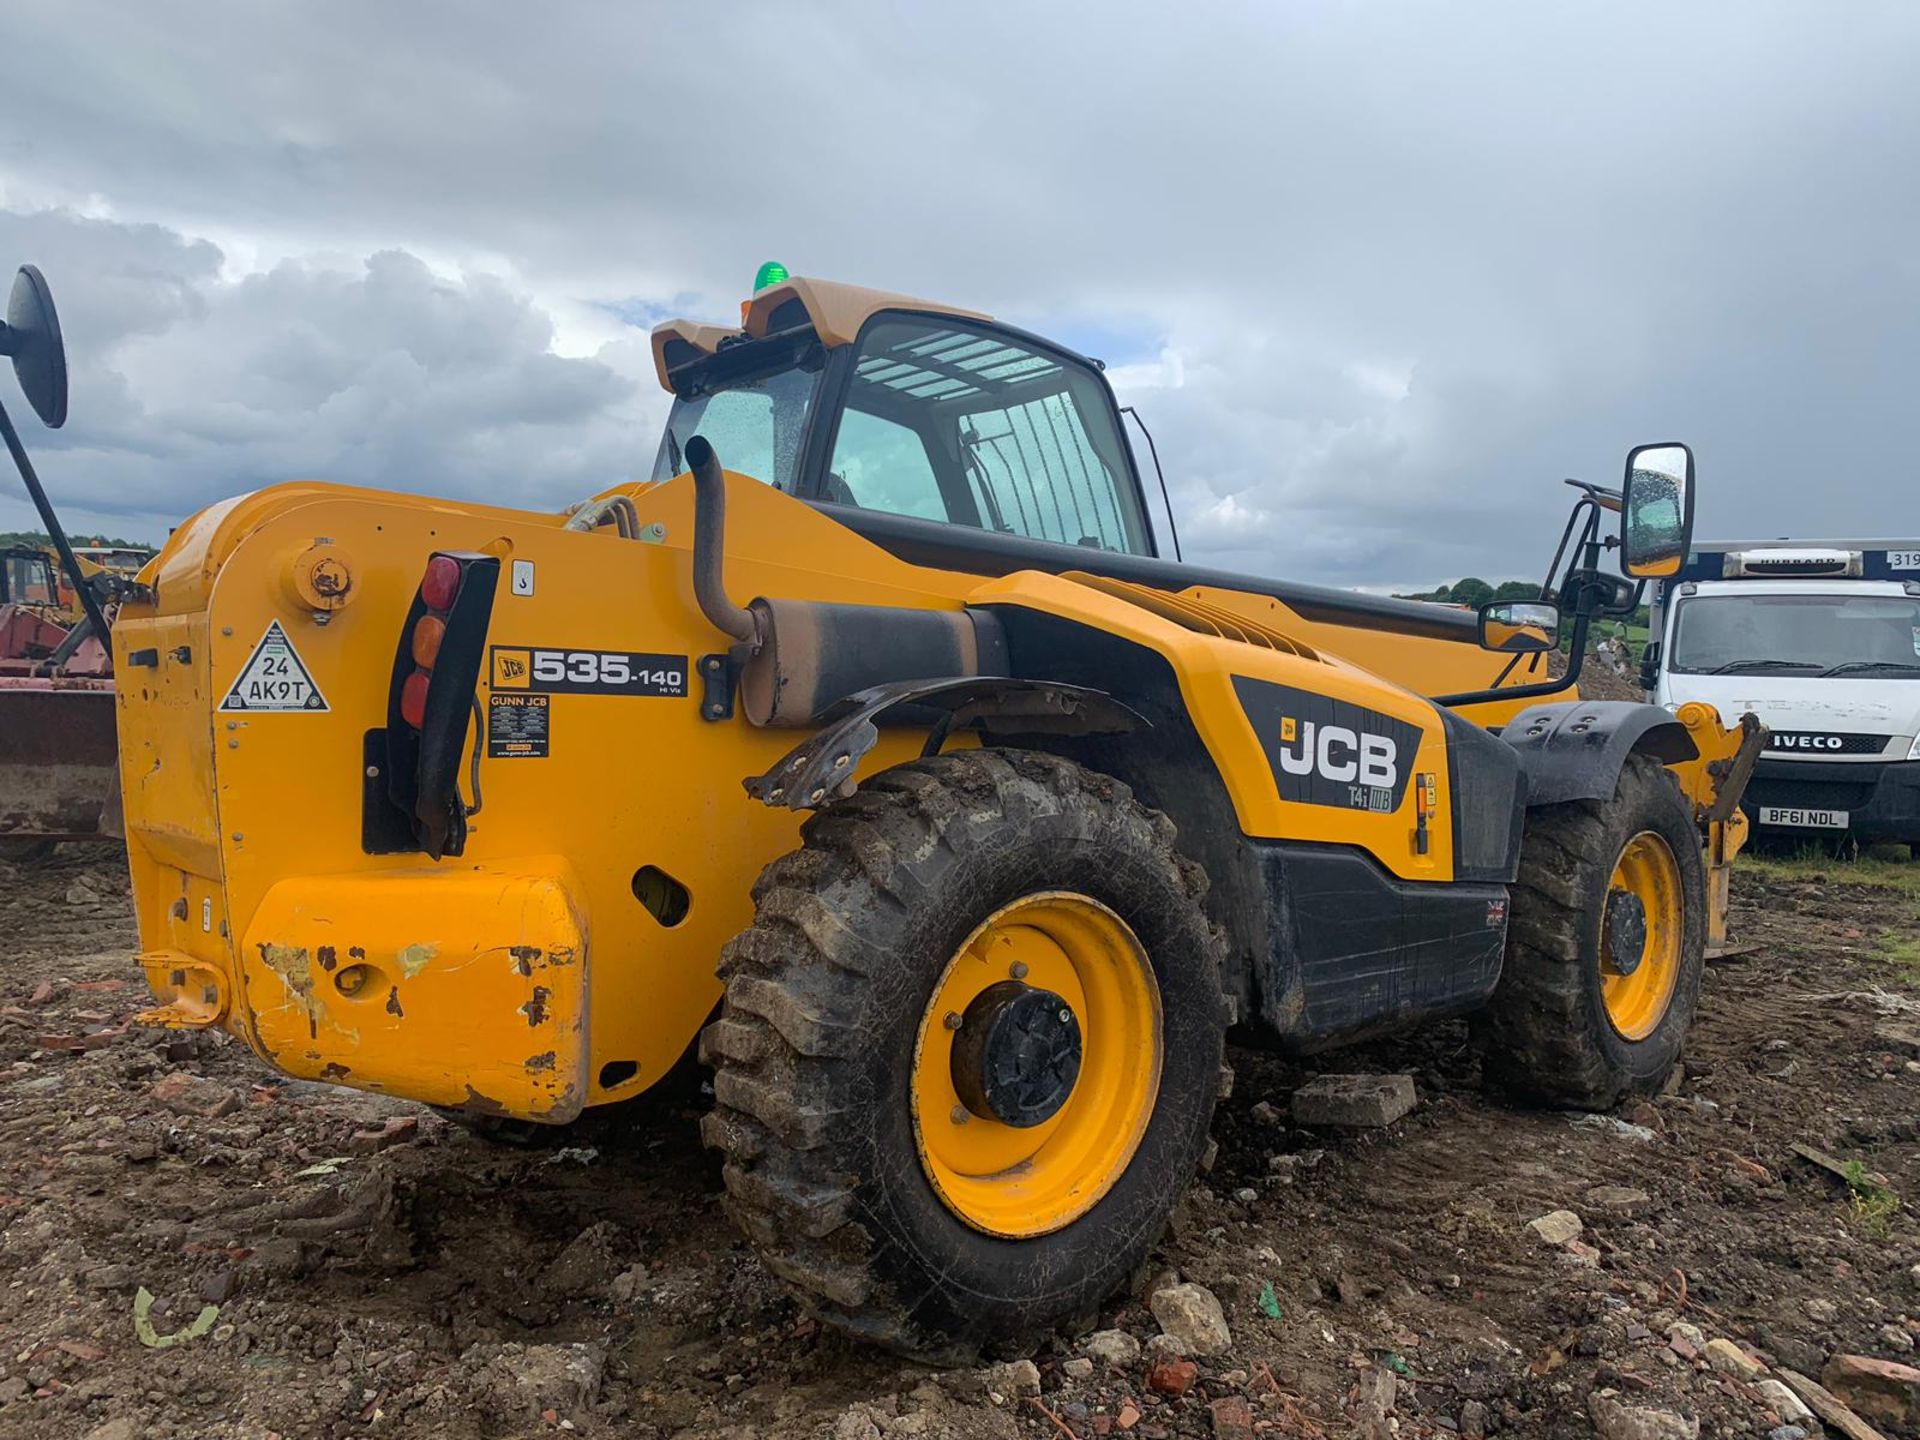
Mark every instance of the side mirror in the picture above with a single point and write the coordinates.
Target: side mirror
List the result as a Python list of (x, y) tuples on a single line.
[(1519, 627), (1656, 521), (1650, 666)]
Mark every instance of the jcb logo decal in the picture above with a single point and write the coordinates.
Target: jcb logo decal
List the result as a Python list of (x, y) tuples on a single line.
[(1338, 753), (1330, 752)]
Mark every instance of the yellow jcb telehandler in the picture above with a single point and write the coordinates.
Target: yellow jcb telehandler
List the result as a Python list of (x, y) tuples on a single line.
[(446, 801)]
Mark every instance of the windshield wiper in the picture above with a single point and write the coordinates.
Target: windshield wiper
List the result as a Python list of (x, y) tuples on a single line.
[(1733, 665), (1847, 665)]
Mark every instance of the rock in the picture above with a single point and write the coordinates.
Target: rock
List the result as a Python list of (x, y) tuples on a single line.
[(1111, 1347), (1581, 1253), (397, 1131), (1822, 1311), (1620, 1199), (81, 893), (856, 1424), (1014, 1378), (14, 1388), (628, 1284), (1786, 1432), (1616, 1421), (1692, 1336), (1883, 1390), (532, 1378), (188, 1094), (586, 1266), (1164, 1347), (1830, 1411), (1729, 1359), (1172, 1377), (124, 1428), (1078, 1368), (1359, 1100), (1264, 1111), (1245, 1195), (1782, 1401), (1896, 1337), (1557, 1227), (1191, 1315), (1473, 1420), (1232, 1418), (109, 1277)]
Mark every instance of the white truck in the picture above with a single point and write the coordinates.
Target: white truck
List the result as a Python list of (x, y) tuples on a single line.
[(1821, 640)]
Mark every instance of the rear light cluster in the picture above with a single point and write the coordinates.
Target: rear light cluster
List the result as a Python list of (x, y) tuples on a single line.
[(438, 591)]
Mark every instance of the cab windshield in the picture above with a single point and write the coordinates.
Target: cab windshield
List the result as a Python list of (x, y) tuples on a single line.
[(936, 419), (1869, 636)]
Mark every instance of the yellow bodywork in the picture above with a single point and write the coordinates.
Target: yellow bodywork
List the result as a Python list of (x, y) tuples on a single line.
[(525, 976)]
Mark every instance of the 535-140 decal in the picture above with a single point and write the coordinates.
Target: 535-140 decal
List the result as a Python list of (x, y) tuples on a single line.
[(587, 672)]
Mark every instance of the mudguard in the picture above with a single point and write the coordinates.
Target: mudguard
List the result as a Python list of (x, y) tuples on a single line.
[(821, 767), (1574, 750)]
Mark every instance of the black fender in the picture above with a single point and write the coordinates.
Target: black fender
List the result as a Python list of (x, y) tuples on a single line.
[(820, 768), (1574, 750)]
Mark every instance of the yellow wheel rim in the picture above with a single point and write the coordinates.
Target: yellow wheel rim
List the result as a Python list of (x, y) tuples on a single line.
[(1638, 973), (1018, 1181)]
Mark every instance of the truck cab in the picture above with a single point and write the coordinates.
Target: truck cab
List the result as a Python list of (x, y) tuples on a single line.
[(1821, 640)]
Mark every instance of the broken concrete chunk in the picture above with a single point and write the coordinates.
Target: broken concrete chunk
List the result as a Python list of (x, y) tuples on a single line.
[(1620, 1199), (1557, 1227), (1782, 1401), (1111, 1347), (1192, 1315), (1616, 1421), (1883, 1390), (1357, 1100), (1729, 1359)]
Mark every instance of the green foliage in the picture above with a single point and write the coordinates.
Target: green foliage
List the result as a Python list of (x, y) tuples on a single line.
[(1471, 592), (39, 538)]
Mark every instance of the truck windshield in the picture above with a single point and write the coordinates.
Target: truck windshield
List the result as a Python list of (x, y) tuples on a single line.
[(1864, 636)]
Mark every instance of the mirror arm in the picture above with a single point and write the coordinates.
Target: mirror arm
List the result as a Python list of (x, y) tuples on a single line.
[(68, 562)]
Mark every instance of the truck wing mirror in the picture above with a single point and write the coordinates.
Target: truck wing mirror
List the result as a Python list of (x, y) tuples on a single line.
[(1656, 521), (1519, 627)]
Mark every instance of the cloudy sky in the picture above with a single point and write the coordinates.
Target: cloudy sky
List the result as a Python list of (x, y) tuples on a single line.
[(1378, 275)]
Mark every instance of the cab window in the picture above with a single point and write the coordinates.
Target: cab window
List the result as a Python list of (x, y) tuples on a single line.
[(949, 421)]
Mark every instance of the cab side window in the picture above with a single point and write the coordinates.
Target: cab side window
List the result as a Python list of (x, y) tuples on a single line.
[(949, 421)]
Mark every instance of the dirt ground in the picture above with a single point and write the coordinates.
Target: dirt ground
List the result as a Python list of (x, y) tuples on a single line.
[(317, 1262)]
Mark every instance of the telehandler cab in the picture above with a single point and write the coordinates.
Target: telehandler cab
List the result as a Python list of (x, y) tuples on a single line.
[(445, 800)]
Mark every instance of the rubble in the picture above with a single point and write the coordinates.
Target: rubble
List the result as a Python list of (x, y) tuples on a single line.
[(1359, 1101), (1192, 1315), (1557, 1227)]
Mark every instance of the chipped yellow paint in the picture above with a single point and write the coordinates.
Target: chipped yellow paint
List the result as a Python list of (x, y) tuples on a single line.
[(414, 958)]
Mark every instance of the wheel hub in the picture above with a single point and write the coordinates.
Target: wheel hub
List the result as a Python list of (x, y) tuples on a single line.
[(1016, 1054), (1626, 931)]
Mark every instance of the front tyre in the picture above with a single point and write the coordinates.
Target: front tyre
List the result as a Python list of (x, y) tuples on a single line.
[(1605, 947), (970, 1050)]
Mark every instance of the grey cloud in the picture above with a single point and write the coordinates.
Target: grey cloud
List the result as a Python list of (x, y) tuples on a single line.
[(1415, 262), (191, 388)]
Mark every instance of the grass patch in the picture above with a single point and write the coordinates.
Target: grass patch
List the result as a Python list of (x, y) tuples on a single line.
[(1814, 866), (1902, 951), (1873, 1203)]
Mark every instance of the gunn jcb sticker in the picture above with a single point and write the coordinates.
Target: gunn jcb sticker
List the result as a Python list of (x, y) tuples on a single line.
[(587, 672), (1330, 752)]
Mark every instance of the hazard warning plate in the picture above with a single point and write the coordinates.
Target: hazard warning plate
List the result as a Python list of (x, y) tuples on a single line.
[(274, 678)]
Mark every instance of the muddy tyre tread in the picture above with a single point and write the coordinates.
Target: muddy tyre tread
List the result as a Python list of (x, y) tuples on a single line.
[(1545, 1036), (790, 1050)]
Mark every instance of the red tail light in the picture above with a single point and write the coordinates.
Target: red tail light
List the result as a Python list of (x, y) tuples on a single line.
[(413, 699), (442, 583)]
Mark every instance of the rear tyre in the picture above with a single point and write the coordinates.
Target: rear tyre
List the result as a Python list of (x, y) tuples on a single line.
[(970, 1050), (1605, 947)]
